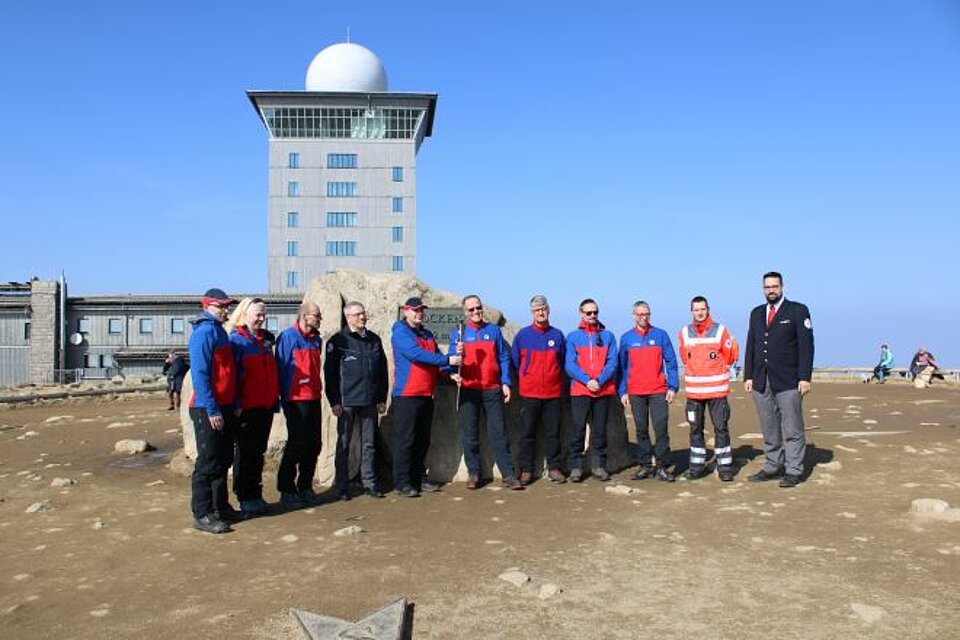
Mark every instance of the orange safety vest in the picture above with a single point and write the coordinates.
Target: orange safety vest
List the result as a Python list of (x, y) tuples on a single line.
[(707, 358)]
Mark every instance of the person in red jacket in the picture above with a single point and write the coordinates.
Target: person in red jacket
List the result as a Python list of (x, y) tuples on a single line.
[(298, 363), (707, 350), (258, 398)]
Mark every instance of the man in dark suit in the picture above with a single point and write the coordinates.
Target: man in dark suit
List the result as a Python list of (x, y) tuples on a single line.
[(777, 369)]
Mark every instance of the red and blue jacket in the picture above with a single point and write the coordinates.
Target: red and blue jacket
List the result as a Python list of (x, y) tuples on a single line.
[(416, 360), (212, 367), (538, 355), (592, 355), (648, 363), (258, 386), (486, 360), (298, 364)]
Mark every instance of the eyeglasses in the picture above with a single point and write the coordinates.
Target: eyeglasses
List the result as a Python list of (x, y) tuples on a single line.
[(473, 309), (595, 312), (358, 313), (643, 315), (540, 310)]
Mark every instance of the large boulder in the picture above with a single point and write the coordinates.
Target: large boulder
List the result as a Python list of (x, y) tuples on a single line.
[(383, 294)]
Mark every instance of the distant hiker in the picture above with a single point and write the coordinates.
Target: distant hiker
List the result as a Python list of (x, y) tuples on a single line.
[(175, 368)]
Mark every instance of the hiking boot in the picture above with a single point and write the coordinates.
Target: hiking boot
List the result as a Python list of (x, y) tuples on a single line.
[(600, 474), (695, 473), (725, 473), (290, 500), (374, 492), (643, 473), (429, 487), (309, 497), (764, 476), (409, 492), (512, 483), (343, 496), (556, 476), (663, 474), (473, 483), (211, 524), (253, 508), (789, 481), (576, 475), (526, 478)]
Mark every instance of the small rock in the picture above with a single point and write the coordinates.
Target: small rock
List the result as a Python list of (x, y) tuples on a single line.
[(129, 447), (348, 531), (38, 507), (866, 612), (156, 483), (868, 421), (290, 538), (62, 482), (620, 490), (929, 505), (832, 466), (117, 425), (117, 379), (516, 578), (548, 590), (98, 524)]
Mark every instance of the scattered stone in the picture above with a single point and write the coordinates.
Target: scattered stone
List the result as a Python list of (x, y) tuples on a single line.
[(852, 398), (751, 436), (929, 424), (292, 538), (20, 577), (39, 507), (117, 425), (348, 531), (516, 578), (116, 380), (130, 447), (63, 482), (847, 514), (98, 524), (53, 419), (620, 490), (804, 548), (156, 483), (548, 590), (606, 537), (908, 449), (28, 434), (862, 434), (493, 541), (867, 613), (835, 465), (100, 613), (929, 505), (869, 421)]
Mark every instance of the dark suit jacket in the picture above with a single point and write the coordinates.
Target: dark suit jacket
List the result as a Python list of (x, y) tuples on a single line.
[(782, 352)]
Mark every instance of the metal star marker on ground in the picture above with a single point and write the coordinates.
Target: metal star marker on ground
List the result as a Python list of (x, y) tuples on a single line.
[(383, 624)]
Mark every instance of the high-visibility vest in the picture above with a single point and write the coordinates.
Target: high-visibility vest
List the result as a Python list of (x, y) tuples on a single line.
[(707, 359)]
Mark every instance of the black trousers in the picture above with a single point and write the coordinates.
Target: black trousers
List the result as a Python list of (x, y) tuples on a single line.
[(583, 408), (412, 420), (299, 461), (534, 411), (214, 456), (253, 431), (719, 410), (367, 417), (646, 409)]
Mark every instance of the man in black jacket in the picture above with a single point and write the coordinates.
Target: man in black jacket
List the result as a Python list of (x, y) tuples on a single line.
[(778, 366), (356, 386)]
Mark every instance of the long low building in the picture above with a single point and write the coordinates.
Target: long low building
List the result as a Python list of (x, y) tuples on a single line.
[(47, 336)]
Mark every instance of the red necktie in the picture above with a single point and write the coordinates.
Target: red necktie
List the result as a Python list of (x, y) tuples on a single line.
[(770, 313)]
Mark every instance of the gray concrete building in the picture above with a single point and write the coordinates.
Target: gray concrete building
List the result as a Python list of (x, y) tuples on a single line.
[(342, 170)]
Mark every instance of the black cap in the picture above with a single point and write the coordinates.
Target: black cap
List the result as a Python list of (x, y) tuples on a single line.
[(217, 296), (414, 303)]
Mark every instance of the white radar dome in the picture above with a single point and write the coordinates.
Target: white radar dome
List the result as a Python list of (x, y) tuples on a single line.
[(346, 67)]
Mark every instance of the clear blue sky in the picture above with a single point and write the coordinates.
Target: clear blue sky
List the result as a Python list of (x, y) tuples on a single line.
[(622, 150)]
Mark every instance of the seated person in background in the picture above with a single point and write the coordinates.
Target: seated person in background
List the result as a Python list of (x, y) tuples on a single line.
[(923, 368), (882, 370)]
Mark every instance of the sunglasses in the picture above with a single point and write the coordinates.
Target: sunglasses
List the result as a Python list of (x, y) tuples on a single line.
[(590, 313), (477, 308)]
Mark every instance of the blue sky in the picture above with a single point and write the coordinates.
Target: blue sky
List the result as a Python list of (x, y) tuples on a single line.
[(616, 150)]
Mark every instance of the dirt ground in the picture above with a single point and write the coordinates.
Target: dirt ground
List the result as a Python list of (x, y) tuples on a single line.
[(841, 556)]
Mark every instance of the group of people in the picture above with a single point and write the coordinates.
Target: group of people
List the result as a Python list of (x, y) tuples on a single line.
[(922, 369), (242, 378)]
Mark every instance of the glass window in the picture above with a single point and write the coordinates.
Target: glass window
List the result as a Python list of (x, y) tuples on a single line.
[(146, 325), (293, 189), (293, 279), (341, 219), (272, 324), (293, 219), (398, 174), (341, 189), (293, 248), (106, 360), (342, 248), (177, 325), (83, 325), (344, 122), (398, 263), (293, 160), (114, 325), (398, 234), (26, 330), (398, 205), (341, 161), (91, 360)]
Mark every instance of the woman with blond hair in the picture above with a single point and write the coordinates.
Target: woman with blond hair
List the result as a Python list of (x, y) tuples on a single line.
[(258, 398)]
